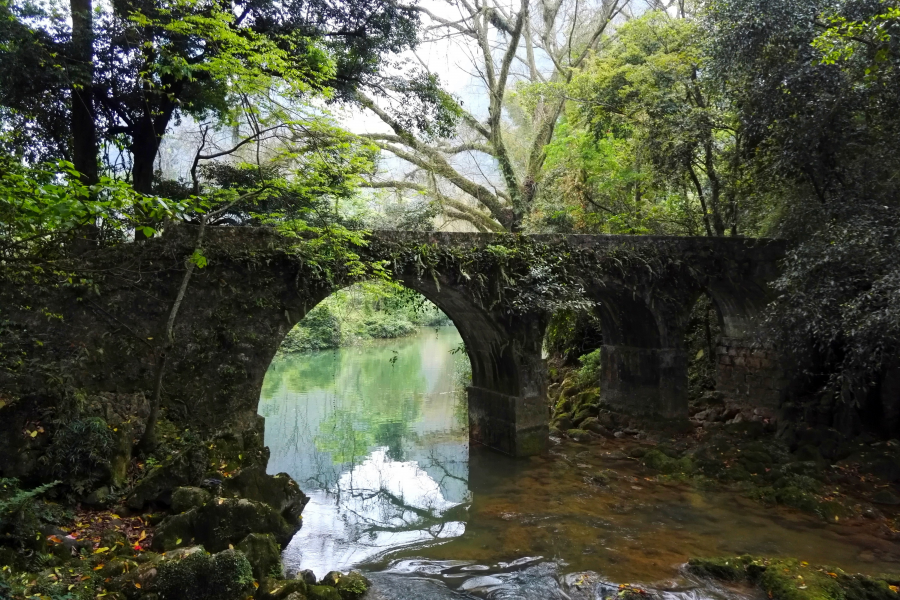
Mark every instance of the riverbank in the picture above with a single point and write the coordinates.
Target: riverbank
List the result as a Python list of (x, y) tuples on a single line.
[(197, 520), (359, 313)]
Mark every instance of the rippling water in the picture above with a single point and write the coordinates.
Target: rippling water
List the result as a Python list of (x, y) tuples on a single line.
[(377, 437)]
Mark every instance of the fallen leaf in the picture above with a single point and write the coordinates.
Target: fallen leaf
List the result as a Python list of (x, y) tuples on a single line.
[(98, 567), (178, 541), (101, 550), (143, 536), (137, 585)]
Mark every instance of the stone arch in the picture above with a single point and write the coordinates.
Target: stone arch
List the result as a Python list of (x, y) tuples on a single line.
[(747, 368), (643, 368), (507, 405)]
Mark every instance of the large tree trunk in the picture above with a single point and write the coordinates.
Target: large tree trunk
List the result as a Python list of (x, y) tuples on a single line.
[(715, 188), (84, 129), (144, 146)]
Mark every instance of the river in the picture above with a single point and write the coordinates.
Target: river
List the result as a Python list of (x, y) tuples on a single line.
[(377, 436)]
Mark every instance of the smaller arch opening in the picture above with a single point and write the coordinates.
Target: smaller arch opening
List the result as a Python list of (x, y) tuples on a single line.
[(702, 337), (572, 348), (365, 407)]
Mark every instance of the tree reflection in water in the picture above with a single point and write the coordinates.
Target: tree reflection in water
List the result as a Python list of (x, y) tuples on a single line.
[(381, 448)]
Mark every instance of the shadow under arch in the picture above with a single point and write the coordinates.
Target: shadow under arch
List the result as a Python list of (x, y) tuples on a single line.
[(747, 368), (641, 371)]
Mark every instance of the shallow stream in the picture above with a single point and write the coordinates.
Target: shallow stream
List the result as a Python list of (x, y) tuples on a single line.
[(377, 437)]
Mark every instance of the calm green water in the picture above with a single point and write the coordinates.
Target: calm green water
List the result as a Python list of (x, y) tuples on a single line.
[(376, 436)]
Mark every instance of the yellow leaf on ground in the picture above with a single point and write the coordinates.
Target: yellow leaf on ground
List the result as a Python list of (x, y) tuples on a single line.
[(101, 550), (143, 536)]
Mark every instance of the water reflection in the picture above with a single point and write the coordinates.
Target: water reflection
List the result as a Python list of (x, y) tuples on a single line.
[(377, 437)]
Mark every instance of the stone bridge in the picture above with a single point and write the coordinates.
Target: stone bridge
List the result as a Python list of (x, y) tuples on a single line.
[(255, 289)]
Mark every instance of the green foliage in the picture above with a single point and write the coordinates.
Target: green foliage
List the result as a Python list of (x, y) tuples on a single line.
[(649, 145), (22, 513), (200, 576), (157, 61), (872, 33), (837, 314), (572, 334), (589, 372), (80, 453), (42, 206), (369, 310)]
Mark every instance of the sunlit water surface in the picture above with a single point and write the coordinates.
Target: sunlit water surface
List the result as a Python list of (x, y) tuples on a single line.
[(377, 437)]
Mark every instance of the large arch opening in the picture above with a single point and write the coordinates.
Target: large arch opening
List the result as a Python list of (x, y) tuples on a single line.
[(365, 406)]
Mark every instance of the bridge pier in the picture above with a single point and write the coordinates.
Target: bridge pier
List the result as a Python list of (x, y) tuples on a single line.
[(513, 425)]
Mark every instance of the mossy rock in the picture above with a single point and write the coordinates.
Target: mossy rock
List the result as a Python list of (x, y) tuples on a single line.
[(188, 497), (588, 397), (226, 575), (279, 491), (583, 414), (221, 522), (593, 425), (185, 469), (353, 586), (263, 552), (658, 461), (322, 592), (563, 422), (723, 569), (791, 579), (280, 589), (579, 435)]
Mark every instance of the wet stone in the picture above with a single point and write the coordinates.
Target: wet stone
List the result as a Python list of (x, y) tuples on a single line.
[(186, 498)]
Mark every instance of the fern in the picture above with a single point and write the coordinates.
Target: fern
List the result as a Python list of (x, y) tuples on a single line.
[(18, 499)]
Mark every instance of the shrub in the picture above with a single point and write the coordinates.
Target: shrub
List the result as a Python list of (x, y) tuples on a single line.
[(589, 372), (80, 453), (21, 512)]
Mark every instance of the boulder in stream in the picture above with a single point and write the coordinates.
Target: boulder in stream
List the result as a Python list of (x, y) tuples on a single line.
[(221, 522)]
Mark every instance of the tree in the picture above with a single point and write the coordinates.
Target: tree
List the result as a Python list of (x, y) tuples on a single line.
[(817, 92), (509, 45), (648, 99), (145, 64), (827, 130)]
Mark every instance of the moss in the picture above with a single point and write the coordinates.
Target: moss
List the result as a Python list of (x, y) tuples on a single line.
[(183, 469), (791, 579), (724, 569), (322, 592), (201, 576), (263, 553), (579, 435), (279, 589), (186, 498), (222, 522), (352, 586)]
